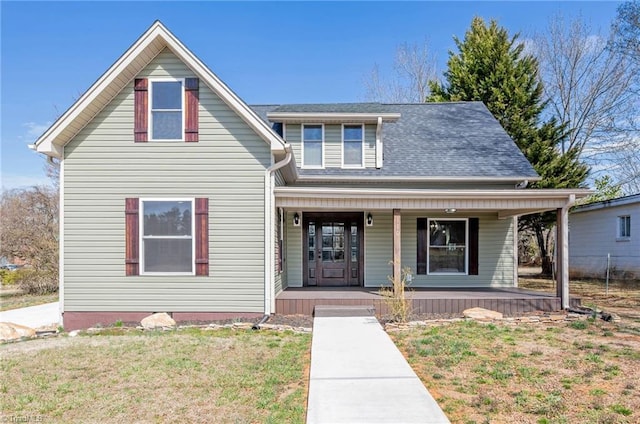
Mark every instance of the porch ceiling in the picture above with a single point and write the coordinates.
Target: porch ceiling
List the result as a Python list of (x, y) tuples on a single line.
[(506, 203)]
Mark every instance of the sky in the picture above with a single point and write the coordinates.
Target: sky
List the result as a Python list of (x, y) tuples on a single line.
[(266, 52)]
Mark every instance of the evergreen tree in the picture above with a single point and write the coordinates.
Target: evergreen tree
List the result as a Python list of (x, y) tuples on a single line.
[(491, 67)]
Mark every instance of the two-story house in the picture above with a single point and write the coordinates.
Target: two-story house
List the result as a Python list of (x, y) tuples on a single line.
[(178, 197)]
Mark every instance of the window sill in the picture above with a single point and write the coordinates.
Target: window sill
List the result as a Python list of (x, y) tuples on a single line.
[(447, 273), (623, 239), (167, 274)]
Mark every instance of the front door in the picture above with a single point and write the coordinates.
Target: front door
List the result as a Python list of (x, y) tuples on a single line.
[(333, 253)]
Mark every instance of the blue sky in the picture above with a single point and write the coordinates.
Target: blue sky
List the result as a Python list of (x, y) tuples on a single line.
[(267, 52)]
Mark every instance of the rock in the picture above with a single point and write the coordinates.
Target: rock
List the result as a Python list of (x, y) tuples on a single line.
[(74, 333), (11, 332), (159, 320), (481, 313), (557, 317)]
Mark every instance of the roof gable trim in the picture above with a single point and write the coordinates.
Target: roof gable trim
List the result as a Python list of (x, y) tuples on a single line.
[(153, 41)]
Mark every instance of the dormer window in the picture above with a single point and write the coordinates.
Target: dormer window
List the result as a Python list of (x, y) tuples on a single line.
[(167, 108), (312, 146), (352, 146)]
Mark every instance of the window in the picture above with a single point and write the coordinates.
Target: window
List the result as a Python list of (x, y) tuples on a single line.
[(624, 227), (167, 236), (312, 142), (166, 110), (352, 145), (447, 246)]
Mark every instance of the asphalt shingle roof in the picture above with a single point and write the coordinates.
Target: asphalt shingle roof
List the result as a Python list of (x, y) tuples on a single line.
[(458, 139)]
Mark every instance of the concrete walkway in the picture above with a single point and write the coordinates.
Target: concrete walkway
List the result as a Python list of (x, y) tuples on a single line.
[(359, 376), (33, 316)]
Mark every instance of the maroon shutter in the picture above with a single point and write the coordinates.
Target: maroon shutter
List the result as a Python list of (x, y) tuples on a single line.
[(202, 236), (473, 246), (423, 233), (141, 108), (191, 90), (132, 248)]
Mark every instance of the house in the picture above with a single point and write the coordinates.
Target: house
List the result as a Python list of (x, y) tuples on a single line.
[(176, 196), (605, 232)]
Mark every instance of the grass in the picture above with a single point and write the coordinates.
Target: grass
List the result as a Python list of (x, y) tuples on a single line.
[(506, 373), (13, 298), (190, 375)]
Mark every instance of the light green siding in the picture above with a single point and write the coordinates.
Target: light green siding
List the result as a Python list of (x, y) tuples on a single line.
[(495, 252), (103, 166), (378, 250), (495, 259), (293, 248), (332, 144)]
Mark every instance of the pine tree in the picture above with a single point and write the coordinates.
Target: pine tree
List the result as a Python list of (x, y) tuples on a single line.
[(490, 66)]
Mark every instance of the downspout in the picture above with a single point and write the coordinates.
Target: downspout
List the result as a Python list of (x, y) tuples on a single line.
[(269, 216)]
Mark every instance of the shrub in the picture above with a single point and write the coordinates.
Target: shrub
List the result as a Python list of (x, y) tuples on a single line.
[(32, 281), (394, 297), (8, 277)]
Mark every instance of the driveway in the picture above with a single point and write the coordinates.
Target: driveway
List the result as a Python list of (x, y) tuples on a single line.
[(33, 316)]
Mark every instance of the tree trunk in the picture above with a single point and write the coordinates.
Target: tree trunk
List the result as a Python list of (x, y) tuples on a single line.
[(547, 267)]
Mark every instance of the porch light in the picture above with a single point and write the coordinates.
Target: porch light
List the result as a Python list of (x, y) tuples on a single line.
[(369, 220), (296, 219), (450, 210)]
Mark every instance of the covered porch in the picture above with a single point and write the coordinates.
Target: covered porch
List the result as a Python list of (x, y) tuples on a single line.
[(394, 229), (424, 301)]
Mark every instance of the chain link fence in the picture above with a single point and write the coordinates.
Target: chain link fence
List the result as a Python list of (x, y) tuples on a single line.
[(613, 267)]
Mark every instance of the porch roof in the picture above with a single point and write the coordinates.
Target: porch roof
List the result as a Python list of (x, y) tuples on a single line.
[(506, 203)]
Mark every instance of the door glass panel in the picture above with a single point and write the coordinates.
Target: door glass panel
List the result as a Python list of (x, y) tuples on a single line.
[(311, 241), (333, 242), (354, 242)]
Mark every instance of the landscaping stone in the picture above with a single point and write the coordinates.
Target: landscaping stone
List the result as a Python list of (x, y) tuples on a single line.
[(481, 313), (160, 320), (11, 332)]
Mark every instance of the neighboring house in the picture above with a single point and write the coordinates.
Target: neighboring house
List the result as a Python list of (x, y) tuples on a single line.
[(178, 197), (606, 232)]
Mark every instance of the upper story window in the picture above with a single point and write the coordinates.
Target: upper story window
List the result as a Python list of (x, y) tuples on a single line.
[(312, 146), (167, 109), (352, 146), (167, 236), (624, 227)]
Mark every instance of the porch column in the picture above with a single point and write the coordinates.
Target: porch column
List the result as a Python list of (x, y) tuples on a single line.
[(397, 262), (562, 254)]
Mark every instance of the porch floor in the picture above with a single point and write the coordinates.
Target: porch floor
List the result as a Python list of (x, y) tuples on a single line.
[(509, 301)]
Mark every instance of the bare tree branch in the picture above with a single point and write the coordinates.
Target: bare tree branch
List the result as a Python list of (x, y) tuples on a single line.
[(592, 87), (414, 66)]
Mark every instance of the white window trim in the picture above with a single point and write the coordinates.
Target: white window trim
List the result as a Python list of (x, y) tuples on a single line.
[(361, 165), (619, 236), (141, 233), (150, 110), (466, 246), (302, 146)]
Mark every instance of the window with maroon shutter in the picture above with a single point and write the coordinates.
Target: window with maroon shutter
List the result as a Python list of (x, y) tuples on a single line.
[(141, 105), (191, 92), (166, 109), (132, 250), (162, 236)]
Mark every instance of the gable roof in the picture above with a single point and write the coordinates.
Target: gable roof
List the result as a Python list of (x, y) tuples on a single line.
[(603, 204), (148, 46), (439, 141)]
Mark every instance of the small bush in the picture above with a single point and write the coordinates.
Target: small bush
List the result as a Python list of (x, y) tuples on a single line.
[(8, 277), (395, 298), (36, 282)]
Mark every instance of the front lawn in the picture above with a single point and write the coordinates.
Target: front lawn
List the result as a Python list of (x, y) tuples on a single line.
[(13, 298), (189, 375), (575, 372)]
